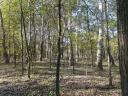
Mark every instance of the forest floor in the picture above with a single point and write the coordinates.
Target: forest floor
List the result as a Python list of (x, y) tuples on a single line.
[(86, 81)]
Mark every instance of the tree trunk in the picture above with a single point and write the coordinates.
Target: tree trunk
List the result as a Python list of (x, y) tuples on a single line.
[(108, 44), (22, 39), (59, 51), (88, 28), (5, 53), (42, 40), (14, 50), (122, 9), (27, 46), (41, 50), (100, 46), (9, 37)]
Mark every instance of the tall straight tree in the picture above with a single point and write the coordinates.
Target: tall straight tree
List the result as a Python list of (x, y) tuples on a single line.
[(42, 38), (22, 38), (71, 49), (108, 43), (88, 30), (100, 46), (122, 9), (9, 23), (26, 41), (5, 53), (59, 51)]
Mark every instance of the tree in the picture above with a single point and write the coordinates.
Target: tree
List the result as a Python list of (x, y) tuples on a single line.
[(59, 51), (110, 58), (122, 9), (22, 38), (42, 39), (5, 53), (100, 46), (26, 41), (88, 29)]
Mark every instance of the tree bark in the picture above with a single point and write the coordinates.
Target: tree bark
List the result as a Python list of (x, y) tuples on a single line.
[(22, 38), (59, 51), (108, 45), (9, 37), (100, 46), (42, 40), (122, 9), (27, 46), (91, 45), (5, 53)]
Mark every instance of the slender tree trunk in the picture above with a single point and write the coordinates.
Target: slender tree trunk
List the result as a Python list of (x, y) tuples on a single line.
[(122, 9), (50, 54), (71, 54), (72, 60), (5, 53), (22, 38), (41, 51), (108, 44), (76, 34), (46, 45), (100, 46), (42, 40), (30, 29), (112, 59), (35, 37), (59, 52), (71, 49), (9, 37), (49, 47), (14, 50), (88, 27), (27, 46)]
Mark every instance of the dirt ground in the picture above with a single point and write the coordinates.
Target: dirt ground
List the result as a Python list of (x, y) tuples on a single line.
[(86, 81)]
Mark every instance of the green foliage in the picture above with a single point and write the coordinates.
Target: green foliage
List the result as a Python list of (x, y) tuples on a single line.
[(48, 10), (114, 44), (50, 93)]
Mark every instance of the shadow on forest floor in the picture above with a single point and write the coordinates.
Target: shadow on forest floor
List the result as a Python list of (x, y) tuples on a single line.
[(42, 81), (27, 89)]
